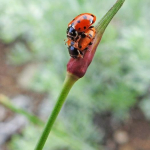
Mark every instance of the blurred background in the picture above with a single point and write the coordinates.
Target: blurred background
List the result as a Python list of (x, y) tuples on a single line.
[(108, 109)]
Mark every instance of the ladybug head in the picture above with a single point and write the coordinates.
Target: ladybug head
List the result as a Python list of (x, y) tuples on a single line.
[(74, 52), (72, 33)]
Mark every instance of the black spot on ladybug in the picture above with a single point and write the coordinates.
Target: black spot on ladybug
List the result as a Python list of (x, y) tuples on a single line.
[(83, 35), (79, 29), (92, 15), (84, 27), (80, 46), (78, 21), (85, 17), (91, 21), (91, 27), (90, 43)]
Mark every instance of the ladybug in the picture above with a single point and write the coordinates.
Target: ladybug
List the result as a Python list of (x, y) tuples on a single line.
[(79, 25), (76, 49), (87, 40)]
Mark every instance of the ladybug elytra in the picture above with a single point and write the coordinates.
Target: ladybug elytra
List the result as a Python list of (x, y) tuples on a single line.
[(79, 25)]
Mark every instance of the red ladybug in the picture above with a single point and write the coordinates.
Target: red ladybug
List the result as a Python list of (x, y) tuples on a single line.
[(76, 49), (79, 25)]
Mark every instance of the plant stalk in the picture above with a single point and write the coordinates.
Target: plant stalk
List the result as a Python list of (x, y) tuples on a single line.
[(68, 83)]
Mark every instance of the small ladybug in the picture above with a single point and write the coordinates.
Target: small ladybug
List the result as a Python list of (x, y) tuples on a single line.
[(76, 49), (79, 25), (87, 40)]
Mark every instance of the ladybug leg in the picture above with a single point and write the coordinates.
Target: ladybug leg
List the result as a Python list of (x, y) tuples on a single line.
[(66, 41), (86, 49), (79, 37), (77, 41), (80, 55)]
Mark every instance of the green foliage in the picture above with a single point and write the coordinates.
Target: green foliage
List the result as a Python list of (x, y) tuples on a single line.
[(59, 139), (118, 74), (19, 54)]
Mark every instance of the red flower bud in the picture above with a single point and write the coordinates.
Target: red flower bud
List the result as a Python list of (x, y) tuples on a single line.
[(78, 67)]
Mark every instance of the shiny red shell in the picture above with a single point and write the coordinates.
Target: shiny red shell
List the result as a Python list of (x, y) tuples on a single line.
[(82, 22), (83, 43)]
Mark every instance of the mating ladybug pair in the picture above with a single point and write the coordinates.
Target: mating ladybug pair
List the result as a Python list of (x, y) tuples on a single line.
[(80, 34)]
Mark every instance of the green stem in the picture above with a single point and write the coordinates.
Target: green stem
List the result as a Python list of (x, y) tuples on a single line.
[(68, 83), (57, 131), (101, 26), (6, 102)]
